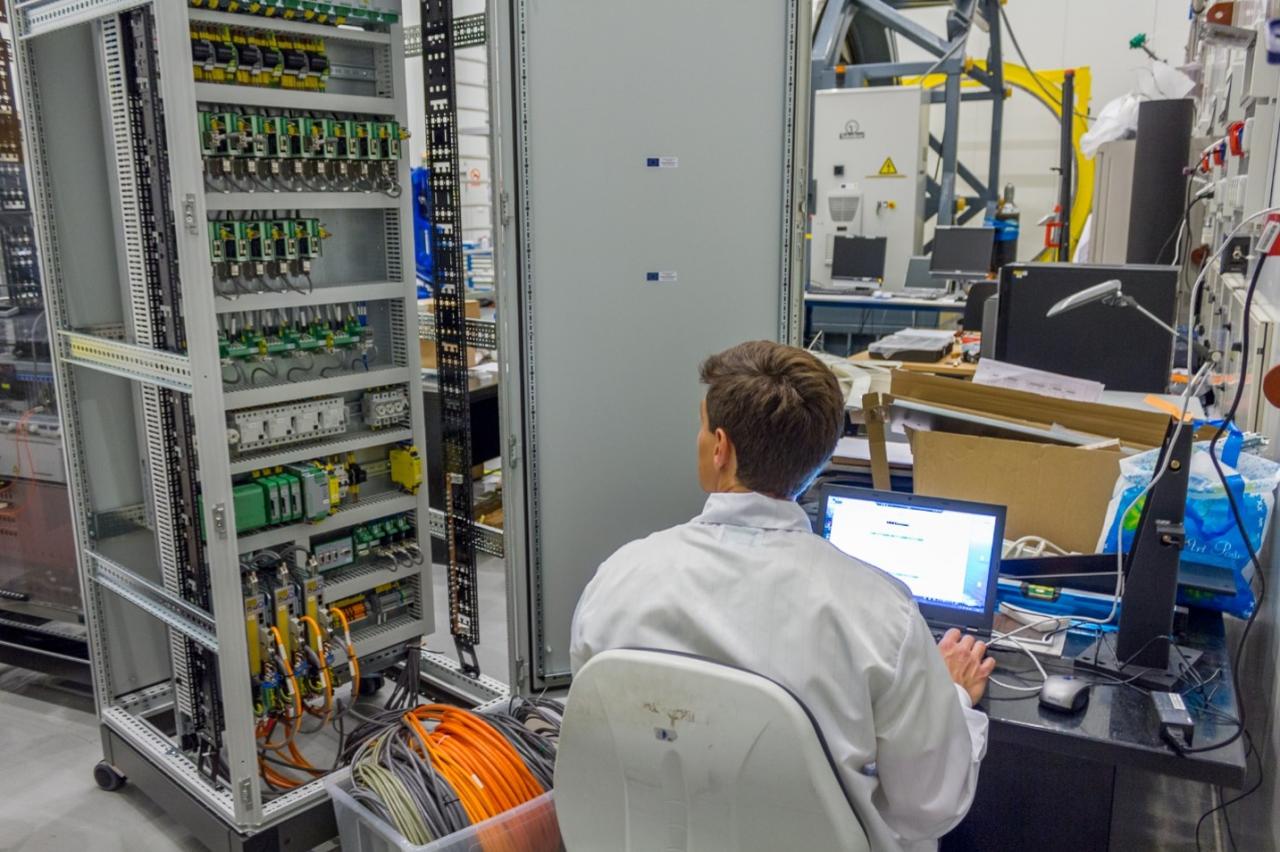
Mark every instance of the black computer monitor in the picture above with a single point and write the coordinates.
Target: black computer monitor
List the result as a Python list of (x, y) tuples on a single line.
[(858, 258), (961, 253), (1114, 345)]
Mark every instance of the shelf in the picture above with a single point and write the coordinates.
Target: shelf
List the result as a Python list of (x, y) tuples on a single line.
[(293, 99), (304, 451), (281, 25), (353, 579), (368, 509), (370, 291), (222, 201), (369, 640), (289, 391)]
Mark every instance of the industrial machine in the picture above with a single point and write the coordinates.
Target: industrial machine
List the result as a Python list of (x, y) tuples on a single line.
[(869, 149)]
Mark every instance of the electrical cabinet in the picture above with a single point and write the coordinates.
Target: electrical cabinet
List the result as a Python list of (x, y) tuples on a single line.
[(223, 221), (869, 149)]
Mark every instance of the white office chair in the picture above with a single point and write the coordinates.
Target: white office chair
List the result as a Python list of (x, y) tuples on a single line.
[(663, 751)]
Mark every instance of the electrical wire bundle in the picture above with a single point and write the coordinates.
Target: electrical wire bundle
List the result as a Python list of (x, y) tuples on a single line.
[(435, 770)]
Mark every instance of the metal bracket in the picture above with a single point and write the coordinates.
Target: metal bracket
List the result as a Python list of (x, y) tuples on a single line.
[(482, 334), (120, 521), (139, 363), (504, 207), (443, 672), (468, 31), (189, 214), (183, 617), (488, 539), (351, 72), (220, 519), (413, 41)]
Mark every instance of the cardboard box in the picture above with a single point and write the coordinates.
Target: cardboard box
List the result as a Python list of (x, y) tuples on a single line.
[(1059, 493), (1136, 428), (427, 348)]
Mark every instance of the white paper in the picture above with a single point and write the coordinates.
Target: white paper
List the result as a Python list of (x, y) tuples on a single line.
[(1000, 374), (859, 449)]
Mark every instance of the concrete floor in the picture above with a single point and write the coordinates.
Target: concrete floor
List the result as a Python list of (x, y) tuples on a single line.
[(49, 744)]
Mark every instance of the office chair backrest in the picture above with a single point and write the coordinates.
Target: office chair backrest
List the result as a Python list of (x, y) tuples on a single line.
[(978, 295), (674, 752)]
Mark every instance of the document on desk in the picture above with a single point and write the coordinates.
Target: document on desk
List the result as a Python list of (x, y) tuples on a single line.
[(1000, 374)]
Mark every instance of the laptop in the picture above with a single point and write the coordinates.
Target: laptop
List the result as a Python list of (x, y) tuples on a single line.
[(947, 552), (920, 281)]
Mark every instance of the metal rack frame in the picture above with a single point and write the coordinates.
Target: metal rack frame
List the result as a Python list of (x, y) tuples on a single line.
[(234, 814)]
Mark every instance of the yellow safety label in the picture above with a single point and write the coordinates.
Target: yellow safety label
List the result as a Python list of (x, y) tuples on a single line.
[(888, 168)]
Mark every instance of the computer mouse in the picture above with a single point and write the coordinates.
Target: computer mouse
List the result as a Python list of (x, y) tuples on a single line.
[(1064, 693)]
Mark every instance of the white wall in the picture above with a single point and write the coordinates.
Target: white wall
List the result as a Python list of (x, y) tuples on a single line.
[(1055, 34)]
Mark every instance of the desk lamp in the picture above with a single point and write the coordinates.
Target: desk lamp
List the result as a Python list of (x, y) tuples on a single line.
[(1111, 293)]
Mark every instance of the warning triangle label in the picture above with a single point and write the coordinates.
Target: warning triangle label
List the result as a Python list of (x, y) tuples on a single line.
[(888, 168)]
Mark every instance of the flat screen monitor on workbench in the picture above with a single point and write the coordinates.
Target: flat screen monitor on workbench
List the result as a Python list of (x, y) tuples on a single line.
[(1114, 345), (859, 261), (961, 254)]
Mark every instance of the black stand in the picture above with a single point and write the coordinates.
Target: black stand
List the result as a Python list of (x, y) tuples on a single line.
[(1143, 650), (1101, 656)]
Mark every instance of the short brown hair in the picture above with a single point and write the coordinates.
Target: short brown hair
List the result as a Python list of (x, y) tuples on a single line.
[(781, 407)]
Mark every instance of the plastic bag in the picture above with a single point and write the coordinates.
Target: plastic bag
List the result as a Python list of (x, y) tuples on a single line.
[(1212, 537), (1117, 120)]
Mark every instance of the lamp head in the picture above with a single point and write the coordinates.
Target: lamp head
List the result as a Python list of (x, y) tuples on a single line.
[(1085, 297)]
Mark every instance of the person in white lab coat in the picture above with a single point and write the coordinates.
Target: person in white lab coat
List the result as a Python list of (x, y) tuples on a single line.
[(749, 584)]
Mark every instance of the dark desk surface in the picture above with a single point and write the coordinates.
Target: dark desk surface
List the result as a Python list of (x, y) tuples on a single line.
[(1115, 728)]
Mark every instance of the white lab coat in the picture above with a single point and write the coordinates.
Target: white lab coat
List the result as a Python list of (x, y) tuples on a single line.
[(748, 583)]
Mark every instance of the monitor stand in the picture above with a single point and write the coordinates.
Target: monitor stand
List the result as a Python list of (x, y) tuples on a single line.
[(1101, 657), (1142, 649)]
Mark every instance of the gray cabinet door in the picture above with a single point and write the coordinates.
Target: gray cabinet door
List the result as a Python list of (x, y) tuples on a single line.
[(650, 170)]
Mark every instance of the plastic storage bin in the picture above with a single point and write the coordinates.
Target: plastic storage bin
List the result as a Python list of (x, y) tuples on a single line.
[(532, 827)]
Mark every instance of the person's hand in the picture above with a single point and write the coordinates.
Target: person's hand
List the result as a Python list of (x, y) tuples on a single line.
[(967, 662)]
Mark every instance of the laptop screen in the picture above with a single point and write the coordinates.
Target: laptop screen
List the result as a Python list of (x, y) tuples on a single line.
[(947, 552)]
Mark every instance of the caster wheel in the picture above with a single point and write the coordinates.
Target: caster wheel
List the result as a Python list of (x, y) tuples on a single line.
[(370, 685), (107, 776)]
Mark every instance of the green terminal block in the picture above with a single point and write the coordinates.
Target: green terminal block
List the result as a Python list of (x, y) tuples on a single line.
[(228, 242), (313, 483), (282, 232), (308, 234), (366, 137), (269, 136), (215, 133), (259, 243), (296, 131), (385, 531), (389, 139)]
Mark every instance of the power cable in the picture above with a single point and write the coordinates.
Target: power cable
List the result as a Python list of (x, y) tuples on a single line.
[(1031, 69)]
